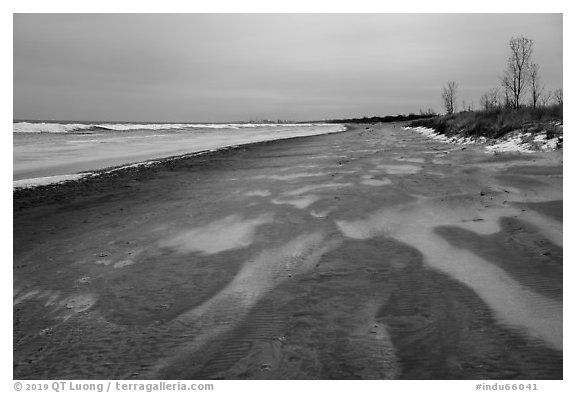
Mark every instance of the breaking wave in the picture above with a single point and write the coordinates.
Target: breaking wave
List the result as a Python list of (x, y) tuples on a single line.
[(62, 128)]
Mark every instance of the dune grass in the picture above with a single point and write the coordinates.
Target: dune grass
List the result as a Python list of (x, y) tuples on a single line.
[(497, 122)]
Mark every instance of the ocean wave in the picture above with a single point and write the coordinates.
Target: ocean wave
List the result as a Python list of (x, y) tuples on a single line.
[(34, 155), (63, 128), (49, 127)]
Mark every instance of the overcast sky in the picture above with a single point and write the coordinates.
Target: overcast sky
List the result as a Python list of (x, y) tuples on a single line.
[(234, 67)]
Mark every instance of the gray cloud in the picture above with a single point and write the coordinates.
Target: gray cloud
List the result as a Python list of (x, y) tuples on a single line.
[(220, 67)]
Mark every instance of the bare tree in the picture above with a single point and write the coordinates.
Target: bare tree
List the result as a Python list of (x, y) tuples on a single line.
[(490, 99), (536, 88), (449, 97), (485, 101), (467, 107), (516, 74), (506, 92), (428, 112), (545, 97), (558, 96)]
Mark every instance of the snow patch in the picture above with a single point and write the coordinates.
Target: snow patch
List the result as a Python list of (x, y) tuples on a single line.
[(433, 134), (515, 142), (525, 143)]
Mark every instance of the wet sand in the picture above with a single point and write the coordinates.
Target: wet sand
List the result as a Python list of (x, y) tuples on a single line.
[(371, 254)]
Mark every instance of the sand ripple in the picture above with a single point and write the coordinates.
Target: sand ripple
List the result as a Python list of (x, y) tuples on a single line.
[(515, 305), (257, 276)]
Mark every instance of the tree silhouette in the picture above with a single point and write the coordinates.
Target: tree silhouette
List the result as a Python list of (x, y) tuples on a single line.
[(449, 97), (516, 75), (536, 88)]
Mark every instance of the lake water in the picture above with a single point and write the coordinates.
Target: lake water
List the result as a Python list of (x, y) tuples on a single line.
[(51, 152)]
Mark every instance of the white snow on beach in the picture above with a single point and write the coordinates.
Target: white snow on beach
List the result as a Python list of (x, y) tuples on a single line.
[(433, 134), (514, 142), (524, 143), (547, 144)]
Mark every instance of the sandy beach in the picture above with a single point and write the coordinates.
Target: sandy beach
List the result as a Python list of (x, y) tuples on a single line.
[(376, 253)]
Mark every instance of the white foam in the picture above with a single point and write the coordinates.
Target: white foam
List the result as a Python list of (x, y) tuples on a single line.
[(54, 127), (49, 127), (42, 181), (61, 128)]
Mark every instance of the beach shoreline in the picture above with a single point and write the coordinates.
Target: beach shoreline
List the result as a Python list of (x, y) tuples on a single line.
[(373, 253), (160, 161), (94, 180), (42, 157)]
